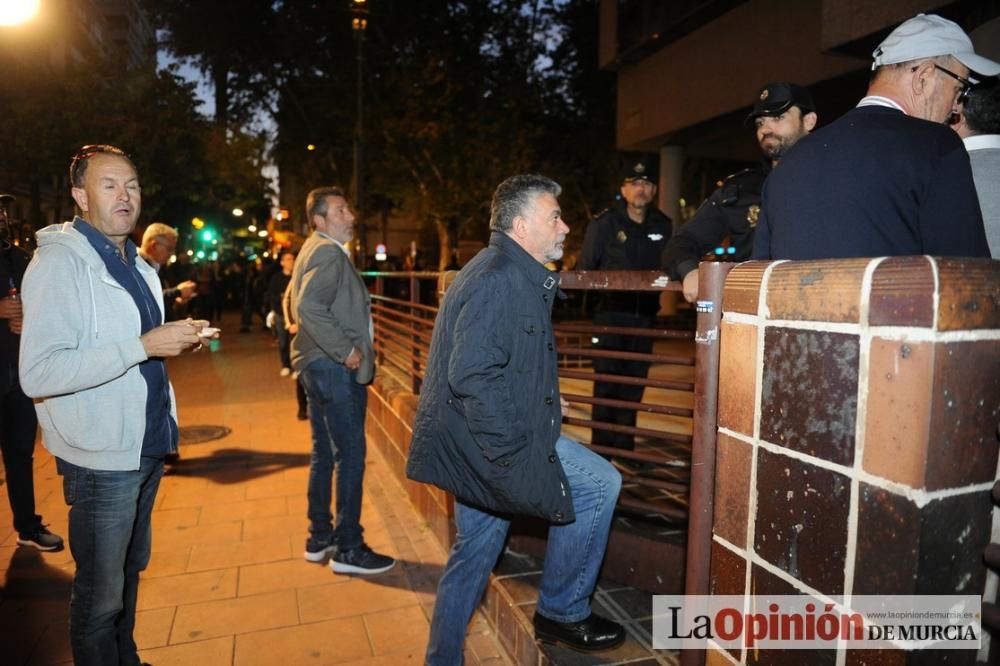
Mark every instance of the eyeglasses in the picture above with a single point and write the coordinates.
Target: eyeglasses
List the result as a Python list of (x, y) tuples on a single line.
[(967, 85)]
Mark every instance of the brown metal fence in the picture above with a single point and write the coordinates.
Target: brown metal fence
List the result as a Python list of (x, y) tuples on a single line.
[(658, 474)]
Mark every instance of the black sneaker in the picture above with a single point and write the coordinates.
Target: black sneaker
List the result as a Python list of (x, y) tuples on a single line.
[(360, 560), (318, 551), (42, 539)]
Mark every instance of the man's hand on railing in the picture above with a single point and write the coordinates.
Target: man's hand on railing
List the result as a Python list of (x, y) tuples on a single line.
[(690, 286)]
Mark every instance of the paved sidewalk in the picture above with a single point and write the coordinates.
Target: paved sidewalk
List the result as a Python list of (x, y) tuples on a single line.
[(227, 583)]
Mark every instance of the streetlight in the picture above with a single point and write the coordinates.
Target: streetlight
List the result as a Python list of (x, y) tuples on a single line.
[(237, 212), (359, 23), (15, 12)]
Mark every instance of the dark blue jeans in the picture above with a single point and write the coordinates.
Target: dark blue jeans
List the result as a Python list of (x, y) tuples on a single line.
[(337, 415), (110, 538), (18, 424), (573, 555)]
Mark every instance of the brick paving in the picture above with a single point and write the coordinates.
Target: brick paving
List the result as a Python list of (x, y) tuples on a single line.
[(227, 583)]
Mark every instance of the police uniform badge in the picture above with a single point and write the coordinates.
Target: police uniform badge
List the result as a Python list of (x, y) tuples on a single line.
[(621, 237), (753, 212), (764, 93), (639, 168)]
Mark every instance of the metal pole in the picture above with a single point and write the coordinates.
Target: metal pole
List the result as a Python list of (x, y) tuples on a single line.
[(360, 24), (711, 278)]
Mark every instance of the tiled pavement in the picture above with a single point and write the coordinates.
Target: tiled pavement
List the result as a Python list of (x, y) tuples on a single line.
[(227, 583)]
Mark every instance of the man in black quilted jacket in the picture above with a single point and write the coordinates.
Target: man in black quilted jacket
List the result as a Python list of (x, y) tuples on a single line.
[(487, 431)]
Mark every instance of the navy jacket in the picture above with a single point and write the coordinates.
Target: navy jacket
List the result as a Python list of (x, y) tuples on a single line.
[(613, 242), (729, 212), (489, 413), (873, 183)]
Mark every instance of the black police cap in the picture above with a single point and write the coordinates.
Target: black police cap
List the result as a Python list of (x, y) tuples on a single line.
[(639, 170), (776, 98)]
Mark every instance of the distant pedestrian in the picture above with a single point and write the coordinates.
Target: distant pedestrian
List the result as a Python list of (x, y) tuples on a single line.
[(159, 243), (275, 316)]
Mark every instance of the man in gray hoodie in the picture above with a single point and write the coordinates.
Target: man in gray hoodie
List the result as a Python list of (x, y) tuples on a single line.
[(92, 356)]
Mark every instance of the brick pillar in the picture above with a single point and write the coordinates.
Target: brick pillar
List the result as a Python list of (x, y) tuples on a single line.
[(858, 410)]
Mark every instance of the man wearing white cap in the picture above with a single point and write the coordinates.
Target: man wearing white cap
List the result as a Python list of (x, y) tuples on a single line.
[(888, 178)]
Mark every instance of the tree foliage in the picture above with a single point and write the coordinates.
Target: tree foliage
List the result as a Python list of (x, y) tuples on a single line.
[(458, 95), (185, 163)]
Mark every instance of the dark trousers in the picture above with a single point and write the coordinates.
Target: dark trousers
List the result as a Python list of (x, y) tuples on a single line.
[(110, 536), (337, 415), (627, 368), (18, 424), (284, 340)]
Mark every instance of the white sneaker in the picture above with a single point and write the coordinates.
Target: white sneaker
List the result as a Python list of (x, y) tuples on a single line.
[(285, 372)]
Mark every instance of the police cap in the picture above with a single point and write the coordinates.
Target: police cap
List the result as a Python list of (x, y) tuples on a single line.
[(641, 169), (775, 98)]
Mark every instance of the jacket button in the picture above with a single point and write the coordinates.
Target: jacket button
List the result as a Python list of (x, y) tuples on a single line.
[(548, 400), (558, 515), (552, 458), (531, 329), (448, 401), (550, 347)]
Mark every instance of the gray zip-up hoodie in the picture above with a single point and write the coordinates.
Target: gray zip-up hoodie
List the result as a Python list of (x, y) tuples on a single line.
[(80, 353)]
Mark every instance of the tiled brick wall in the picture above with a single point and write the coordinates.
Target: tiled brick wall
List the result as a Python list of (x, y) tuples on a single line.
[(858, 411), (389, 426)]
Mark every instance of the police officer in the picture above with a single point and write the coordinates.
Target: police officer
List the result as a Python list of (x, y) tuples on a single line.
[(782, 114), (630, 235)]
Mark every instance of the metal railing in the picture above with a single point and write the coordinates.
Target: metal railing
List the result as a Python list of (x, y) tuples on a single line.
[(658, 480)]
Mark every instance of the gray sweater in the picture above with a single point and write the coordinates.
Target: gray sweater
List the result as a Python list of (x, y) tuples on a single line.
[(80, 353)]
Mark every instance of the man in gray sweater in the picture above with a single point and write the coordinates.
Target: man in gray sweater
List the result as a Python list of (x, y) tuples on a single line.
[(329, 309)]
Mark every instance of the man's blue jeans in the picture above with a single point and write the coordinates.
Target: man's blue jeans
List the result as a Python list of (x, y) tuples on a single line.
[(110, 538), (337, 415), (573, 555)]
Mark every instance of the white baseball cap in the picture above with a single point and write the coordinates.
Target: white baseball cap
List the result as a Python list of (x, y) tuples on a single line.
[(927, 36)]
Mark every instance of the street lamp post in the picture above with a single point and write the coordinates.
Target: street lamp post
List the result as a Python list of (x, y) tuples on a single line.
[(359, 23)]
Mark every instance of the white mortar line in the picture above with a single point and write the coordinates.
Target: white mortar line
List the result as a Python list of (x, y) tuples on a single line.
[(927, 335), (736, 435), (729, 545), (860, 422), (829, 326), (902, 333), (936, 297), (719, 648), (762, 313), (916, 495)]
